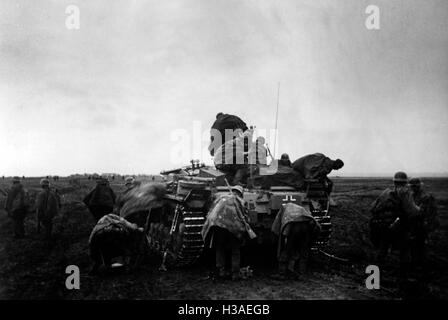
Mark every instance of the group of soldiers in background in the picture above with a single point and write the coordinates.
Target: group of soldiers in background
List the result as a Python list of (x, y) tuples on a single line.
[(403, 217), (47, 206), (101, 200)]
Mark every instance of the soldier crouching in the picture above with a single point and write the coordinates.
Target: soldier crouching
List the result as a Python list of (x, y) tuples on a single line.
[(296, 229), (114, 237), (226, 229)]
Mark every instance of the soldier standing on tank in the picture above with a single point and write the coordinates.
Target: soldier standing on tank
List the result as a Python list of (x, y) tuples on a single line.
[(47, 207), (426, 223), (257, 156), (392, 215), (101, 199), (218, 130), (17, 205)]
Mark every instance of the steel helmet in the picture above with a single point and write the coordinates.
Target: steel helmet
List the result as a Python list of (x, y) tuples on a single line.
[(44, 182), (400, 176), (238, 188), (129, 180), (415, 182)]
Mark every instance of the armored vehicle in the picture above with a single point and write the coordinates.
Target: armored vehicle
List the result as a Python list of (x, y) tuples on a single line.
[(175, 228)]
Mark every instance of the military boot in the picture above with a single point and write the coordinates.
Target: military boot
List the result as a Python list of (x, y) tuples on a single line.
[(303, 266), (281, 274)]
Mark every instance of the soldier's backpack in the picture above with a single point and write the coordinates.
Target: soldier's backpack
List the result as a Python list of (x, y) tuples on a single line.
[(21, 201), (383, 214)]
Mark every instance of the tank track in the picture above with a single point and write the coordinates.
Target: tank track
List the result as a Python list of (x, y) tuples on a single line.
[(316, 193), (324, 220), (189, 228)]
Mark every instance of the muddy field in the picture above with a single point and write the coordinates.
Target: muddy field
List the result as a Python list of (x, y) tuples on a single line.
[(33, 268)]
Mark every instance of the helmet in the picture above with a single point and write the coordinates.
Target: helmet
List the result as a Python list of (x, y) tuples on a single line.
[(400, 176), (44, 182), (238, 188), (129, 180), (415, 182), (338, 164), (284, 156), (15, 179)]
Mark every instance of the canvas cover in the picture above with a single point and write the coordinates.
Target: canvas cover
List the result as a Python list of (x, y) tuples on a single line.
[(291, 212), (112, 223), (142, 198), (313, 166), (228, 212)]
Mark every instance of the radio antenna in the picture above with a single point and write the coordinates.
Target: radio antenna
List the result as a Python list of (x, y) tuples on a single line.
[(276, 119)]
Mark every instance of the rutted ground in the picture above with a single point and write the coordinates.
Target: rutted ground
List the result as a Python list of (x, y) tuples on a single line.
[(32, 268)]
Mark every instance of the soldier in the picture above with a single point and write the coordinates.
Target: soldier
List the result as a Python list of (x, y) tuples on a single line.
[(316, 167), (296, 229), (17, 205), (129, 184), (226, 229), (113, 237), (101, 199), (392, 213), (47, 207), (426, 223), (230, 158), (284, 161), (218, 130), (258, 152)]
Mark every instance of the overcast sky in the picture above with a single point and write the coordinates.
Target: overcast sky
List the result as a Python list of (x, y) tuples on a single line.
[(113, 95)]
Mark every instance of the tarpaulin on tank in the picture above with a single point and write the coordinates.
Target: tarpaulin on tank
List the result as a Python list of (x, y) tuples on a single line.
[(313, 166), (291, 212), (142, 198), (285, 176), (227, 212)]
